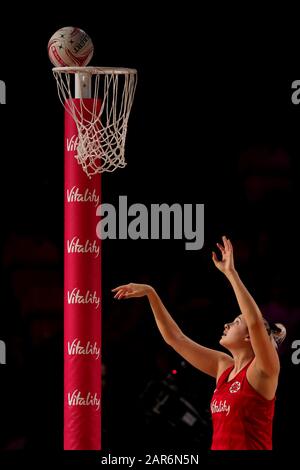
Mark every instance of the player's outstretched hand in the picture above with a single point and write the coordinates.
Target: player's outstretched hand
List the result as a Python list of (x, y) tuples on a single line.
[(226, 264), (131, 290)]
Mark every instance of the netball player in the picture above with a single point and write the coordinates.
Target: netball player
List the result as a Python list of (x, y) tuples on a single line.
[(243, 402)]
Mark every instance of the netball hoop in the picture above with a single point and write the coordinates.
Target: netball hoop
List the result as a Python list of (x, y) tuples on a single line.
[(97, 102), (101, 129)]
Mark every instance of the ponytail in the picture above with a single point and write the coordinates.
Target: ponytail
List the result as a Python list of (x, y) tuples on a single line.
[(278, 333)]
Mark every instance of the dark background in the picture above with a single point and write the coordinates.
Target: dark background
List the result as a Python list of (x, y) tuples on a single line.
[(212, 123)]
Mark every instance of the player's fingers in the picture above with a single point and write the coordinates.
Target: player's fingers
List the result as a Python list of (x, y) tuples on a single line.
[(214, 257), (221, 248), (225, 241), (119, 293), (119, 287)]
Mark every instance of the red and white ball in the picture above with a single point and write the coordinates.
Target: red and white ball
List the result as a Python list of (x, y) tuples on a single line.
[(70, 47)]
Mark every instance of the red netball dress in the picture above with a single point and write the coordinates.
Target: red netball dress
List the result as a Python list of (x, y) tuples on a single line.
[(242, 418)]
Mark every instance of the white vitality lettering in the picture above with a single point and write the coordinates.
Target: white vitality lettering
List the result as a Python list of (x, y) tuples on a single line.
[(75, 297), (220, 407), (74, 195), (72, 144), (75, 246), (77, 399), (76, 348)]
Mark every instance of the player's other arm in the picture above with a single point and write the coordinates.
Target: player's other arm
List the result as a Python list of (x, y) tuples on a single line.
[(205, 359)]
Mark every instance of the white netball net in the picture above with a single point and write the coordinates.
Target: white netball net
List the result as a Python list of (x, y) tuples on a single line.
[(101, 129)]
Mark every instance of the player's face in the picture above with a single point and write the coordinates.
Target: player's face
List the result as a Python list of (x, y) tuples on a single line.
[(234, 333)]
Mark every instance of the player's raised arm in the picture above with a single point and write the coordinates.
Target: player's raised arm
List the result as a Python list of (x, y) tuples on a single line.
[(266, 357)]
